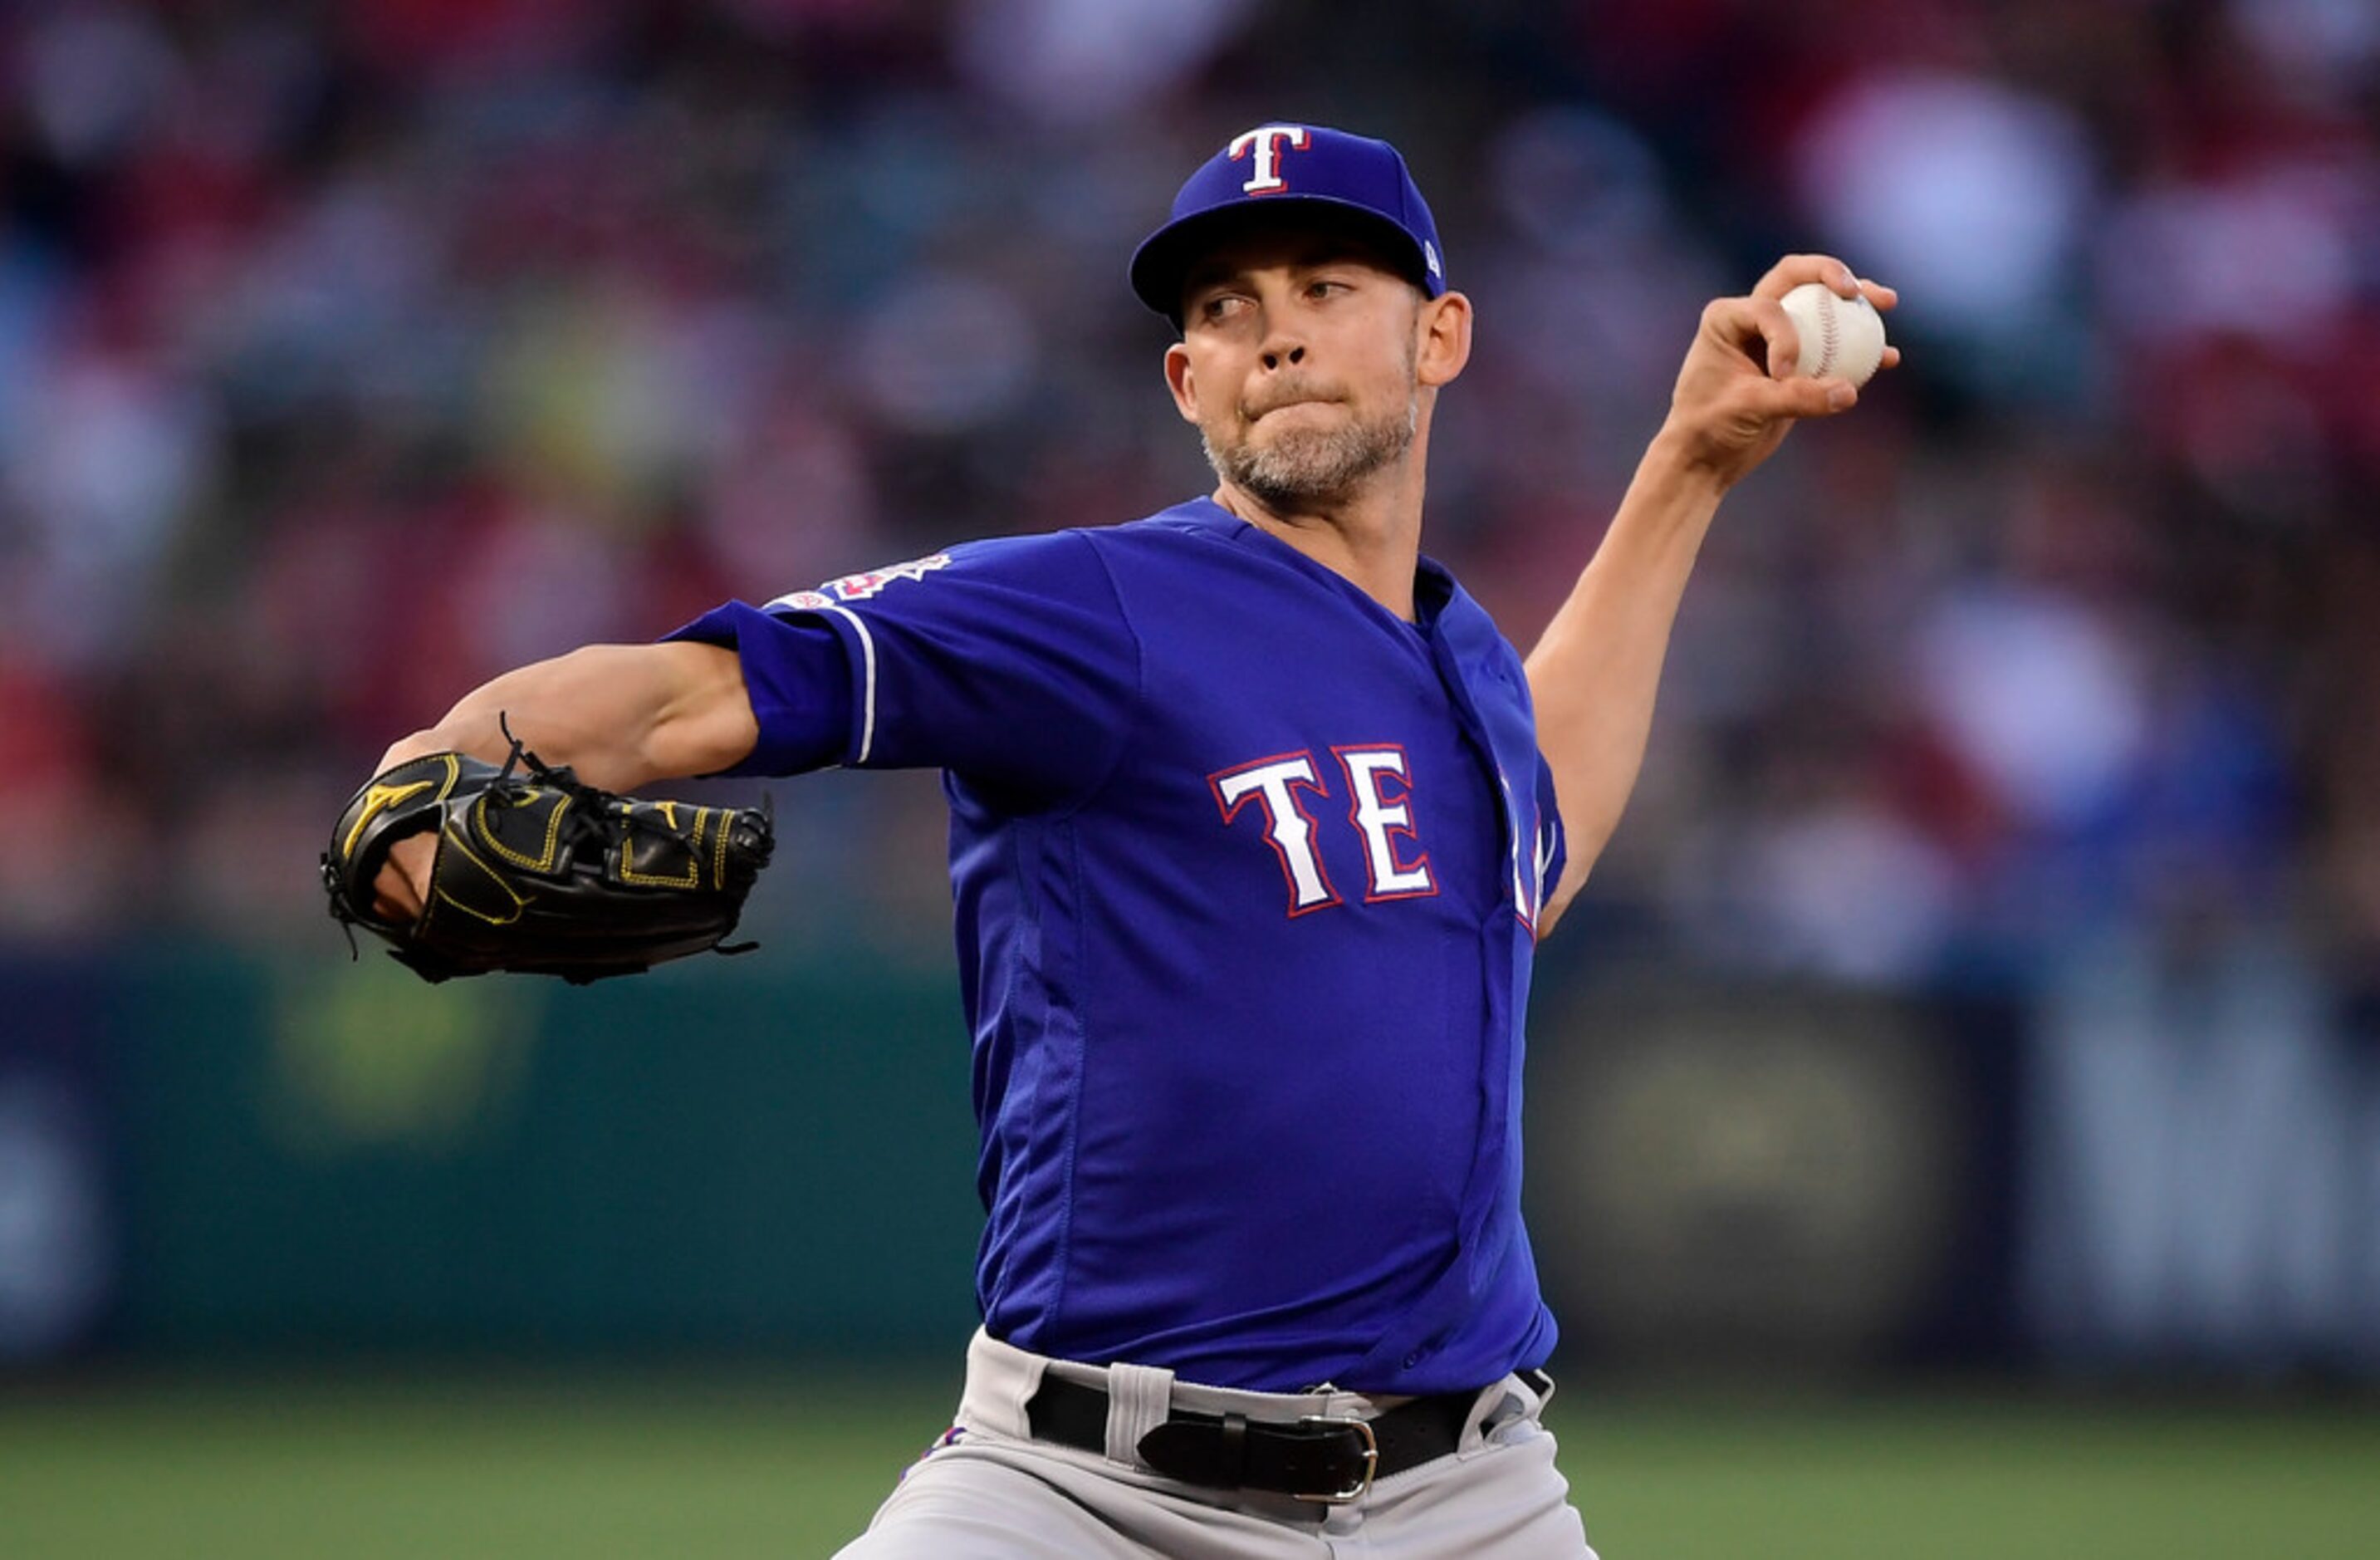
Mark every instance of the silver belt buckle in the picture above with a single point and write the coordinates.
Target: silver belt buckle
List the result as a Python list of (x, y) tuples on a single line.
[(1362, 1486)]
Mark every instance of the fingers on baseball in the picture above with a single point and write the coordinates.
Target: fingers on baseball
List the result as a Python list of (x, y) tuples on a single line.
[(1780, 336), (1797, 397), (1760, 329), (1796, 269), (1821, 398)]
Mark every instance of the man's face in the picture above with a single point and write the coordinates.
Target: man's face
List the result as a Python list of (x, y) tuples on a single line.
[(1298, 363)]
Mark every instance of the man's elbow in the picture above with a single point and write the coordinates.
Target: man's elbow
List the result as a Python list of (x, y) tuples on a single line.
[(707, 722)]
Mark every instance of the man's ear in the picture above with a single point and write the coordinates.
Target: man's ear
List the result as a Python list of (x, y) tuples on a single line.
[(1178, 380), (1444, 338)]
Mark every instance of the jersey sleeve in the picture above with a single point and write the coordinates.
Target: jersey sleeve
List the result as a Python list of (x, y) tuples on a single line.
[(796, 677), (1553, 844), (1008, 661)]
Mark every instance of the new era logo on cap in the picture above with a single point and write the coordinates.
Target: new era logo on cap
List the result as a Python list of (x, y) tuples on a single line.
[(1287, 168)]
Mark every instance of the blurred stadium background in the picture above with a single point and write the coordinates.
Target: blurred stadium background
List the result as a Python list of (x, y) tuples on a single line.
[(1957, 1103)]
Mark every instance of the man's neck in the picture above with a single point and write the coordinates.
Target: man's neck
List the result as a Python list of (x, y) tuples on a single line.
[(1370, 537)]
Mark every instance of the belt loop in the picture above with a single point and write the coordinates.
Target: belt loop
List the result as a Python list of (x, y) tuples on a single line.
[(1001, 1380), (1232, 1457), (1139, 1398)]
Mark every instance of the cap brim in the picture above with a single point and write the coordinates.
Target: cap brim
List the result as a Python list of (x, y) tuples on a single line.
[(1162, 262)]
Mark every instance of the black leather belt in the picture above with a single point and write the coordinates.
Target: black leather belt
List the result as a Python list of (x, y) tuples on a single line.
[(1319, 1458)]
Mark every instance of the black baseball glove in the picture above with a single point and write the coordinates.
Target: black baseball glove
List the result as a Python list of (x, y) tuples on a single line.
[(537, 873)]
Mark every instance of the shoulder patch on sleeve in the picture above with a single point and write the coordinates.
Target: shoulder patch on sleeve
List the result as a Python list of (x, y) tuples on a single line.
[(857, 587)]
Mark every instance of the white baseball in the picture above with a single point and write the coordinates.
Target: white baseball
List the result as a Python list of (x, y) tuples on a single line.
[(1840, 336)]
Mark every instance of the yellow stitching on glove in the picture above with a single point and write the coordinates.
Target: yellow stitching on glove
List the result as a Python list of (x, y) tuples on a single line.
[(378, 799), (693, 878), (519, 902), (552, 832)]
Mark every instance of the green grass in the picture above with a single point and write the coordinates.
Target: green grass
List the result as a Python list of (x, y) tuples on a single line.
[(1959, 1478), (448, 1468)]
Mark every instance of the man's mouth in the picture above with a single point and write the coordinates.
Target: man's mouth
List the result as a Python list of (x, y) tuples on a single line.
[(1261, 413)]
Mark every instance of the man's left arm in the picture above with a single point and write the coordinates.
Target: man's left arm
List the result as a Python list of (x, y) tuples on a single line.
[(1594, 671)]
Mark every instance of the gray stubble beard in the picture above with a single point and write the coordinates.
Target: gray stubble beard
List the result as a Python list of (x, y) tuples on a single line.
[(1318, 465)]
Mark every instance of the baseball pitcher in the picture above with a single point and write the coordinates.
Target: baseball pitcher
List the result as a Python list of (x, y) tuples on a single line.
[(1256, 821)]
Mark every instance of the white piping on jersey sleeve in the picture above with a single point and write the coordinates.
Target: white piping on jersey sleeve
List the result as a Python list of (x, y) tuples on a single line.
[(868, 656)]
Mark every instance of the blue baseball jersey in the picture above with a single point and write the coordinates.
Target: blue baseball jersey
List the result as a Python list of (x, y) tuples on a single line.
[(1246, 871)]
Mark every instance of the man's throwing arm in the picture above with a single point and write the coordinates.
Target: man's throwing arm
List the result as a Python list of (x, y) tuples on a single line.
[(1594, 671)]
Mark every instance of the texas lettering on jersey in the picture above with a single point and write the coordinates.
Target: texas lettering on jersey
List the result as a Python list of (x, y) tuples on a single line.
[(1380, 791)]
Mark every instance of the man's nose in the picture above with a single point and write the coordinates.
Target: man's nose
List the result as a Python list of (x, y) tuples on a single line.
[(1283, 354)]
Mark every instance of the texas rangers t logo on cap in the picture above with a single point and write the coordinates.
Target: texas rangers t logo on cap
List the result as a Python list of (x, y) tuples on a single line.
[(1265, 141), (1337, 179)]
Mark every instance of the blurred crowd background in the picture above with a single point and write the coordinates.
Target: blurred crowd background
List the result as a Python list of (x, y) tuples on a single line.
[(350, 353)]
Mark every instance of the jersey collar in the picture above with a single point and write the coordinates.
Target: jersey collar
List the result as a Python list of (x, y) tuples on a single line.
[(1434, 586)]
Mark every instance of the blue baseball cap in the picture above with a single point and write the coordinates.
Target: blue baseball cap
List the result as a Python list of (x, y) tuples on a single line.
[(1292, 169)]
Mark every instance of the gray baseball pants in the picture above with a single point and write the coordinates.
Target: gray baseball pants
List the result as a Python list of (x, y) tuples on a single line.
[(989, 1492)]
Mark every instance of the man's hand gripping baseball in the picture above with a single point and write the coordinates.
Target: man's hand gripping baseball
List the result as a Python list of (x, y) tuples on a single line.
[(1738, 394)]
